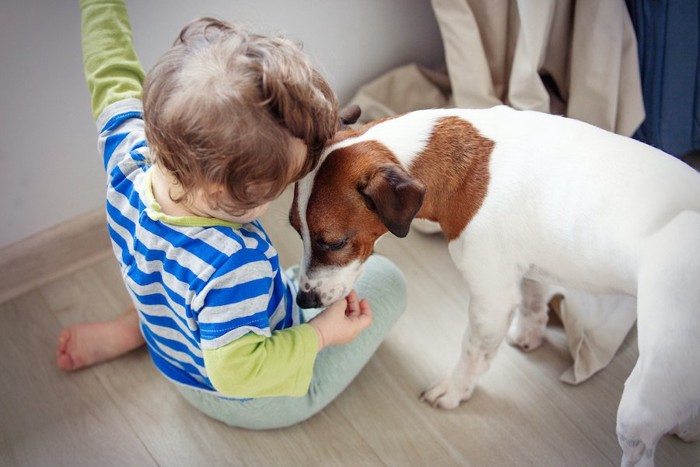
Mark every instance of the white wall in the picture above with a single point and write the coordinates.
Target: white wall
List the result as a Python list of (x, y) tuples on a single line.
[(49, 167)]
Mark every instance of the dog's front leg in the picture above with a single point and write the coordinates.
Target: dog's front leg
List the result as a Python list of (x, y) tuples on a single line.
[(489, 316)]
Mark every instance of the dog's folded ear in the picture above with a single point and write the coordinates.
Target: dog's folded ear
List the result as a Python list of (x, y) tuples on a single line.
[(395, 196), (349, 115)]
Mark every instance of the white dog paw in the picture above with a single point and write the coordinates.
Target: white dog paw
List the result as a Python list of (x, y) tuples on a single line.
[(526, 333), (635, 453), (445, 395)]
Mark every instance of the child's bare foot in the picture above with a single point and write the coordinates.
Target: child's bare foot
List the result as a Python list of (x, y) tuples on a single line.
[(86, 344)]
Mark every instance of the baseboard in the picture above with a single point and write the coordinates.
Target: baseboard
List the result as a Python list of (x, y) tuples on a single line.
[(58, 251)]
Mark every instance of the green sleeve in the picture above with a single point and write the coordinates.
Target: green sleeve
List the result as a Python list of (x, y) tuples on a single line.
[(112, 69), (259, 366)]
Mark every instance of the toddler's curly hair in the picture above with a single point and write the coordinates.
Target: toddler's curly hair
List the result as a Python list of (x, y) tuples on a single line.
[(221, 106)]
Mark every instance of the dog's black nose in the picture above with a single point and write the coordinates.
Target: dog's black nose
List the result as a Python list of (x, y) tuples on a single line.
[(308, 299)]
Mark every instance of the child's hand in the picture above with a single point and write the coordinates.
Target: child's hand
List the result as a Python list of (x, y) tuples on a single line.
[(342, 321)]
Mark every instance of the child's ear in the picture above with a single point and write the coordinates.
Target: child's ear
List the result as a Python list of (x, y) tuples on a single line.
[(349, 115), (395, 196)]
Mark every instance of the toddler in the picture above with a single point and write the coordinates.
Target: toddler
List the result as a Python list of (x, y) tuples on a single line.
[(221, 125)]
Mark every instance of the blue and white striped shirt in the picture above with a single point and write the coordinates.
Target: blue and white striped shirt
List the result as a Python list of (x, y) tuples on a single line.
[(195, 287)]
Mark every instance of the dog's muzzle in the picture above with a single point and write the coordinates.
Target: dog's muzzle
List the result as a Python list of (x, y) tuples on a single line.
[(308, 299)]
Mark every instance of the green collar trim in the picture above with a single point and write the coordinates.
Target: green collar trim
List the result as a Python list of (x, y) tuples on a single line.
[(154, 211)]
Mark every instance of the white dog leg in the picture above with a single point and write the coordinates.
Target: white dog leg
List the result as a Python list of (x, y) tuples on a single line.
[(527, 330), (638, 427), (488, 323), (663, 391)]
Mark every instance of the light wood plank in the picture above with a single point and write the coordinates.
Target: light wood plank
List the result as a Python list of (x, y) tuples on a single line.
[(49, 417)]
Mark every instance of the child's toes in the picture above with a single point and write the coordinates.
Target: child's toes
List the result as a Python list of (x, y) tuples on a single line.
[(66, 356), (64, 361)]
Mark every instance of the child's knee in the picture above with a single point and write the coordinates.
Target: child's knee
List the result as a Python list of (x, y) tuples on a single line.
[(379, 265), (383, 285), (380, 269)]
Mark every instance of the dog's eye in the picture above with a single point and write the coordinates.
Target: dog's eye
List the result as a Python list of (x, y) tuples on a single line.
[(333, 246)]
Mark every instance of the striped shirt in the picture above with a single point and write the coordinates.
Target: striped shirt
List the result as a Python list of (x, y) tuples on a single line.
[(197, 283)]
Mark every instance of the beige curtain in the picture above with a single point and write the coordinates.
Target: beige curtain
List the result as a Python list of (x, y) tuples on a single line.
[(570, 57)]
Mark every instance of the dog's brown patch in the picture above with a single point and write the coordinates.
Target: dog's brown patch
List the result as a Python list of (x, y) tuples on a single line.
[(455, 168)]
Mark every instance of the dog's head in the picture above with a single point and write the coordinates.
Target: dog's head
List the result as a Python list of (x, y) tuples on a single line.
[(358, 192)]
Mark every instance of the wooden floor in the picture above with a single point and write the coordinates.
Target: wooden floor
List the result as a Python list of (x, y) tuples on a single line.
[(123, 413)]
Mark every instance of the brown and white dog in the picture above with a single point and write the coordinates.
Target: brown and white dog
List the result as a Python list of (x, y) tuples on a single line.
[(524, 199)]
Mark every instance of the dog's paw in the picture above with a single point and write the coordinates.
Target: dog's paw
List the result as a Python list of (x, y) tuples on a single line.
[(528, 334), (445, 395)]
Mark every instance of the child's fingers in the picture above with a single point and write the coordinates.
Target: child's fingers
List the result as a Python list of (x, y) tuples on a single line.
[(364, 321), (364, 307), (353, 306), (352, 301), (364, 315), (335, 309)]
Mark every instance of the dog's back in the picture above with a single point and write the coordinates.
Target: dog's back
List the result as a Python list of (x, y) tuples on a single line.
[(559, 189), (577, 192)]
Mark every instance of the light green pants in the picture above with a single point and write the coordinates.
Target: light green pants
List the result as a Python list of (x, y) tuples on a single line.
[(384, 287)]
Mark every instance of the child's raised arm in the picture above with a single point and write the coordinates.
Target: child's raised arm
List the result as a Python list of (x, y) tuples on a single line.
[(112, 69)]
